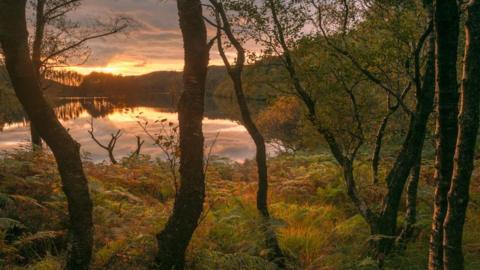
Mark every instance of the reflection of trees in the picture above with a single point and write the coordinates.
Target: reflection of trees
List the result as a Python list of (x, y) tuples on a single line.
[(98, 107), (67, 109), (72, 108), (162, 102)]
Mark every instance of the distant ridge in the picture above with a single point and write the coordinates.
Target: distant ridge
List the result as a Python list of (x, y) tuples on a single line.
[(158, 82)]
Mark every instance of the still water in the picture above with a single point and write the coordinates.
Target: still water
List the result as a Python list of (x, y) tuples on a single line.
[(109, 116)]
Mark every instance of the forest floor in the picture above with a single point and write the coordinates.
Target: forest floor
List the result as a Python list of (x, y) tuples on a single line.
[(317, 225)]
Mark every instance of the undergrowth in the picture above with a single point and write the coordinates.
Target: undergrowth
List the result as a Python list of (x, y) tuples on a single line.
[(317, 226)]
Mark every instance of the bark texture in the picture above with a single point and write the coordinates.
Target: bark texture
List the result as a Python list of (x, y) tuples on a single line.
[(446, 20), (14, 41), (36, 59), (175, 237), (458, 195)]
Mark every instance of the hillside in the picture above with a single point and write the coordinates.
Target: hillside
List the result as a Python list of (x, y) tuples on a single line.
[(159, 82), (260, 83)]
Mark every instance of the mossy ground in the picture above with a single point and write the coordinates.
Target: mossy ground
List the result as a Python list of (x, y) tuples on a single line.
[(317, 226)]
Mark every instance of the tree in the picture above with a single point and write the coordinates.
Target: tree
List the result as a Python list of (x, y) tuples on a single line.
[(14, 42), (446, 19), (383, 224), (58, 42), (287, 19), (458, 195), (235, 73), (188, 206)]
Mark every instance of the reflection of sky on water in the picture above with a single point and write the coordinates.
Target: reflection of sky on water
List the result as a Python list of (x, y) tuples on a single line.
[(233, 140)]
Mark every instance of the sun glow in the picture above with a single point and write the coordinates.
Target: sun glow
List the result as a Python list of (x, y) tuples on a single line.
[(134, 67), (128, 67)]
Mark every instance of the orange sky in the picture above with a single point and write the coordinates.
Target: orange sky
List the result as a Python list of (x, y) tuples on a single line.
[(129, 67), (152, 43)]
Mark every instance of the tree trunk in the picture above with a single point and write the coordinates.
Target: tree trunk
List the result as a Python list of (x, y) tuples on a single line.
[(465, 151), (35, 137), (378, 145), (276, 253), (411, 204), (235, 74), (14, 41), (446, 19), (174, 239), (36, 59), (411, 150), (38, 37)]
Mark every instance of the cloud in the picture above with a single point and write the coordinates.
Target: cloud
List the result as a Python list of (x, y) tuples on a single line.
[(153, 43)]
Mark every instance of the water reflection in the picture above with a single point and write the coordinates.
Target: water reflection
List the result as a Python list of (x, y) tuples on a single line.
[(110, 115)]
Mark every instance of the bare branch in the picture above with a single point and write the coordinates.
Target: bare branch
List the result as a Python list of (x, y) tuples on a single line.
[(111, 144), (119, 25), (52, 10), (137, 151)]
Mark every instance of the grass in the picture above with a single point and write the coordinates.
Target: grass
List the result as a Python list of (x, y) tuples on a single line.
[(317, 226)]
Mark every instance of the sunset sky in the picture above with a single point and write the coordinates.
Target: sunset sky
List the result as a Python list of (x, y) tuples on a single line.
[(155, 43)]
